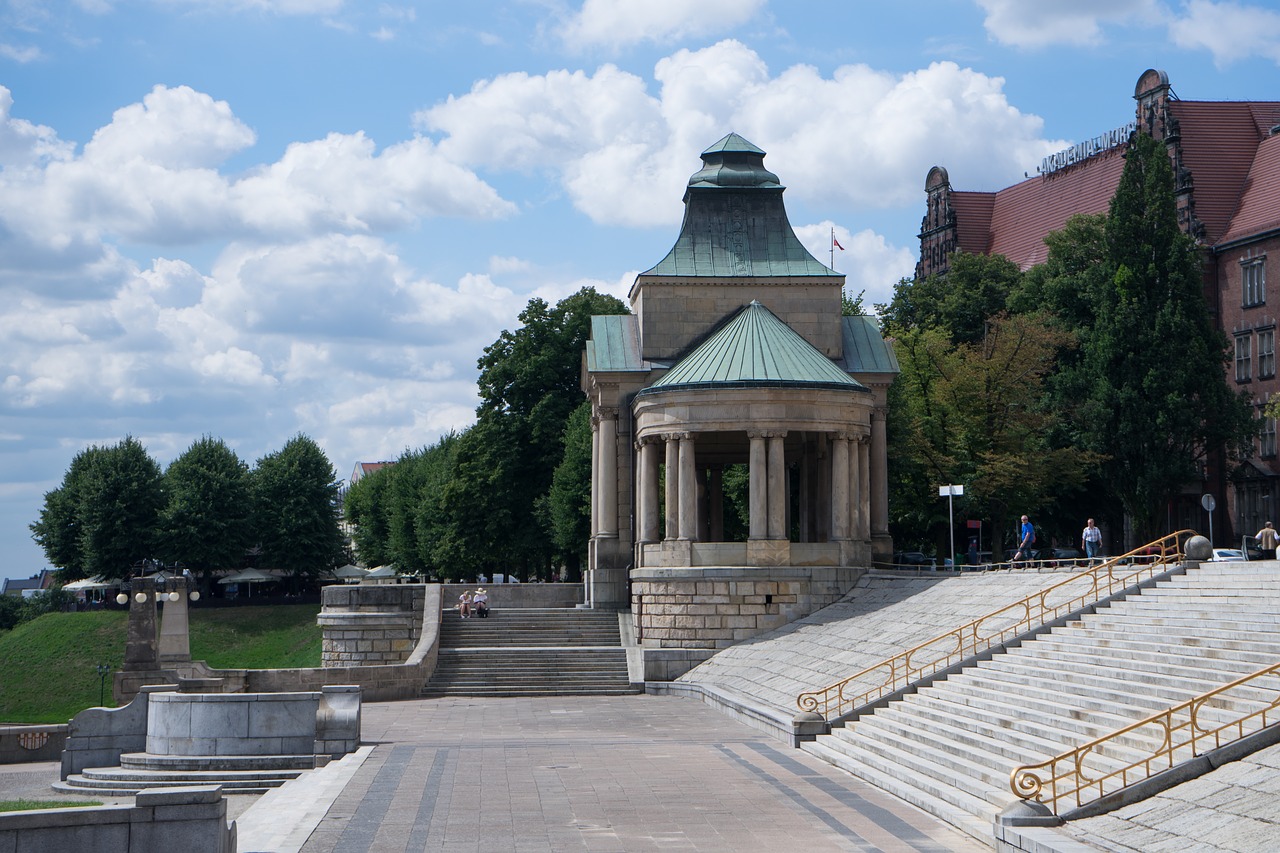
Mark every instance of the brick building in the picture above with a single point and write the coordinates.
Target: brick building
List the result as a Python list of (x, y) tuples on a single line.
[(1226, 158)]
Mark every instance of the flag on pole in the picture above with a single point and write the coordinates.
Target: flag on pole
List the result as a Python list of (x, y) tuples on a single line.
[(836, 243)]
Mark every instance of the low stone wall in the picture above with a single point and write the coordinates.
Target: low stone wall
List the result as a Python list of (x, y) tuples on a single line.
[(98, 736), (683, 615), (367, 625), (193, 820), (713, 608), (518, 595), (24, 744)]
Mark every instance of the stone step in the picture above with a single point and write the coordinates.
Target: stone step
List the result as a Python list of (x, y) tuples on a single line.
[(259, 763), (1229, 660), (439, 691), (186, 777), (1118, 674), (927, 796)]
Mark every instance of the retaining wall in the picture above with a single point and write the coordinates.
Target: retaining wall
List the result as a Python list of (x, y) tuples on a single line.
[(23, 744), (193, 820)]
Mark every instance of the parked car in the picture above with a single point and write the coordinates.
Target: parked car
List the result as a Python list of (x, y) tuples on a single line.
[(914, 559), (1062, 555), (1228, 555)]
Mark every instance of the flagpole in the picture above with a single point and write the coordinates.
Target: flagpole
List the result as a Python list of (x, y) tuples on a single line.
[(831, 247)]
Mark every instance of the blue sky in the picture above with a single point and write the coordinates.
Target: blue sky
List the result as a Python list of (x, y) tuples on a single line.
[(254, 218)]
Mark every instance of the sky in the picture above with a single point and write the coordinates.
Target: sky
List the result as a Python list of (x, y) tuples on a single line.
[(251, 219)]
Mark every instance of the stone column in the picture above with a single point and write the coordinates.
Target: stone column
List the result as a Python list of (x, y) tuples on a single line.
[(715, 503), (759, 523), (595, 474), (777, 487), (840, 487), (672, 530), (648, 490), (175, 634), (608, 479), (862, 490), (688, 489), (879, 476), (142, 648)]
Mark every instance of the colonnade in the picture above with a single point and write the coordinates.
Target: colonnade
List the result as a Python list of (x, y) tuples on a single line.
[(845, 493)]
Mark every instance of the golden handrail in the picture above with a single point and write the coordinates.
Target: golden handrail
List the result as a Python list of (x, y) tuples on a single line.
[(996, 627), (1180, 734)]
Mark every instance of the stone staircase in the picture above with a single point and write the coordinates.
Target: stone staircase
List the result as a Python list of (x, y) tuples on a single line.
[(950, 748), (531, 652), (239, 774)]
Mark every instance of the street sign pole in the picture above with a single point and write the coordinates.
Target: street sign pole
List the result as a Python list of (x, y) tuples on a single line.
[(1210, 504)]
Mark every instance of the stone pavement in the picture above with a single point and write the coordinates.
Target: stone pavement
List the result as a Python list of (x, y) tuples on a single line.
[(625, 773)]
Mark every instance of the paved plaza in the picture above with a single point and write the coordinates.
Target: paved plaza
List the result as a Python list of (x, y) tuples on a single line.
[(630, 773)]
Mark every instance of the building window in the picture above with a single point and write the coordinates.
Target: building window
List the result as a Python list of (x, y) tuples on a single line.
[(1244, 358), (1266, 353), (1253, 280), (1267, 438)]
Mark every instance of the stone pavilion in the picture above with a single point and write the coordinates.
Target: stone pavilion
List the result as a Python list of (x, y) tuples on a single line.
[(735, 354)]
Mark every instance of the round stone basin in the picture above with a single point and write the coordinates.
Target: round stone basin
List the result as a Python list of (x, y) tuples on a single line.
[(232, 723)]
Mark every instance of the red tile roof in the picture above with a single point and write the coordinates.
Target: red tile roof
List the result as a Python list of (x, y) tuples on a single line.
[(1259, 210), (1219, 141), (1016, 219)]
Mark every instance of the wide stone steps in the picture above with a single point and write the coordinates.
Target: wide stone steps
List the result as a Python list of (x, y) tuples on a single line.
[(950, 747), (531, 652), (243, 774)]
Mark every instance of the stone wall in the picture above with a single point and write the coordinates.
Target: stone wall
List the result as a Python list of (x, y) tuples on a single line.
[(193, 820), (371, 625), (21, 744), (700, 610)]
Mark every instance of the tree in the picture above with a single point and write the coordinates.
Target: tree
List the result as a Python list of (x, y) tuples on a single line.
[(851, 306), (367, 508), (569, 501), (295, 500), (494, 508), (973, 413), (103, 518), (974, 288), (206, 524), (58, 529), (1152, 373)]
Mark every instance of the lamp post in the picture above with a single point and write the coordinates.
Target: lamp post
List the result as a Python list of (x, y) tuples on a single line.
[(951, 493), (103, 669)]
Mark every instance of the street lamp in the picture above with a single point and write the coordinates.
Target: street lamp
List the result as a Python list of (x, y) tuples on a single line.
[(103, 669), (950, 493)]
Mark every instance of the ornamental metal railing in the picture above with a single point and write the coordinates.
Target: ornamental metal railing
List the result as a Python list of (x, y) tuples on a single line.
[(1179, 734), (1080, 590)]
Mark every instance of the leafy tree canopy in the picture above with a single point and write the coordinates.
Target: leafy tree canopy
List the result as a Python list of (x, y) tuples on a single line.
[(206, 524), (295, 500)]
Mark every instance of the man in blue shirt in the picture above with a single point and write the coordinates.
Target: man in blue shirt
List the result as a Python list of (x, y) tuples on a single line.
[(1028, 539)]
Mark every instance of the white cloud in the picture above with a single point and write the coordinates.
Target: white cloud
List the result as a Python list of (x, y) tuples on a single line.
[(853, 138), (620, 22), (1044, 22), (173, 129), (151, 176), (871, 265), (1230, 31)]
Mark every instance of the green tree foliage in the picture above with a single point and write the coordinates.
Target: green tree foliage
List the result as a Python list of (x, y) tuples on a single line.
[(206, 524), (851, 306), (295, 502), (367, 508), (103, 518), (974, 413), (496, 501), (569, 501), (58, 529), (1154, 396), (974, 288)]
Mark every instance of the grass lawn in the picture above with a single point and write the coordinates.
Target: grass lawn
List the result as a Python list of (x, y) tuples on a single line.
[(28, 805), (48, 667)]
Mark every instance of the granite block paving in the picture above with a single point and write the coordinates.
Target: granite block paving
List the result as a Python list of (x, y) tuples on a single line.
[(617, 773)]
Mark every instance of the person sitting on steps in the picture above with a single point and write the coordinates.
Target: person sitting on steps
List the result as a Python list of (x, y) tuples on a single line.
[(464, 604), (481, 602)]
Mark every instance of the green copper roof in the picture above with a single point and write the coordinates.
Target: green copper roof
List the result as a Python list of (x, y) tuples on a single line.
[(614, 345), (755, 348), (865, 351), (735, 224)]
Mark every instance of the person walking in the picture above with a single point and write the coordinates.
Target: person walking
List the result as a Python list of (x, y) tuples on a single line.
[(1091, 541), (1028, 538), (1267, 539)]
